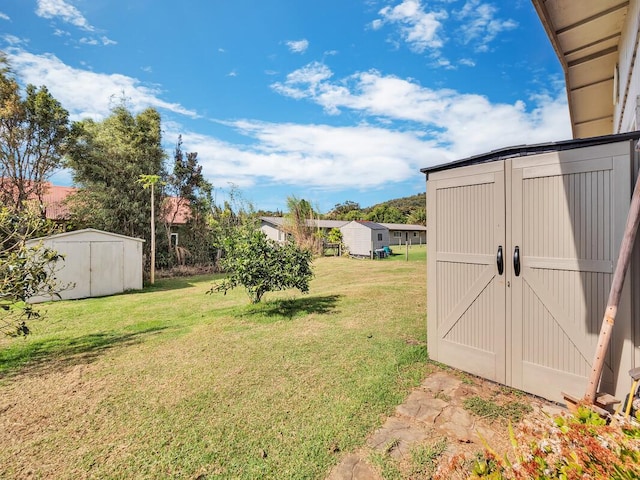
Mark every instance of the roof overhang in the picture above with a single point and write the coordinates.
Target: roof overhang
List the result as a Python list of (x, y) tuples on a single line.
[(585, 35)]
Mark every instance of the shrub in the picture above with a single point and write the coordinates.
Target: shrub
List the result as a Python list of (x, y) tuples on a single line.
[(567, 448), (262, 265)]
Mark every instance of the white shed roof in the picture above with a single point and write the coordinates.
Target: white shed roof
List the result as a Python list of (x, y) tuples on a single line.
[(88, 231)]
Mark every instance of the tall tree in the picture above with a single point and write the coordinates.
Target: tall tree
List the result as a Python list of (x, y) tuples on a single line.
[(383, 213), (188, 192), (107, 158), (33, 136)]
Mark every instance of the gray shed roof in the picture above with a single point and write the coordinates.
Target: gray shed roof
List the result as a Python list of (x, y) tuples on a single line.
[(524, 150), (279, 222), (371, 225), (405, 226)]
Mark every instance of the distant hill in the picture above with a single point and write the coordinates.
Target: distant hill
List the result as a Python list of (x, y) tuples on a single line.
[(405, 204)]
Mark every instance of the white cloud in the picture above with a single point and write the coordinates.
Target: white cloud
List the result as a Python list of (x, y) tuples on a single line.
[(13, 40), (318, 156), (84, 93), (438, 126), (298, 46), (97, 41), (419, 29), (4, 16), (476, 24), (61, 9), (304, 82), (465, 124), (480, 25)]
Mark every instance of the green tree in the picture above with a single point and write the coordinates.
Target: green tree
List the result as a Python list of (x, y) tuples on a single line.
[(262, 265), (229, 220), (334, 235), (188, 191), (418, 216), (33, 139), (383, 213), (107, 158), (343, 210), (25, 272)]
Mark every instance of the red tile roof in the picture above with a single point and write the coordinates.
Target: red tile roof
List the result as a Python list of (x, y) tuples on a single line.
[(53, 202)]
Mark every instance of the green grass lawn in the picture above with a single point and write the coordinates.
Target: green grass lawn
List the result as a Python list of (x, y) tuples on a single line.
[(172, 383), (417, 253)]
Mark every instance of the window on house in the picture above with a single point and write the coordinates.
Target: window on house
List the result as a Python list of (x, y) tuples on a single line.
[(397, 234), (415, 234), (379, 237), (174, 240)]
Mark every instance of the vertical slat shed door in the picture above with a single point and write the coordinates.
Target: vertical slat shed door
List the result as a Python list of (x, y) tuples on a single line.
[(567, 209), (466, 296), (107, 268)]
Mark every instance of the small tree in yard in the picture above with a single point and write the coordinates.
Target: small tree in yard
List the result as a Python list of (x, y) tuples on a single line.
[(262, 265), (25, 272)]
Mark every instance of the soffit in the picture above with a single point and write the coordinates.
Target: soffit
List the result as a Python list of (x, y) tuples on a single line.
[(585, 35)]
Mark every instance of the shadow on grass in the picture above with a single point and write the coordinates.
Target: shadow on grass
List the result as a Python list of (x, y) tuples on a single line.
[(291, 308), (53, 354)]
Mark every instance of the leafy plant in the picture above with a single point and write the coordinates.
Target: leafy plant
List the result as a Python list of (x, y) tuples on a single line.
[(262, 265), (567, 448), (25, 271)]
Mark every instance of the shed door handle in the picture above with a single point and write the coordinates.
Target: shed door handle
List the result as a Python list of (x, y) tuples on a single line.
[(500, 260), (516, 261)]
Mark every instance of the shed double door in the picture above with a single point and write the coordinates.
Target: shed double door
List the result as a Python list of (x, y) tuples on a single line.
[(520, 265)]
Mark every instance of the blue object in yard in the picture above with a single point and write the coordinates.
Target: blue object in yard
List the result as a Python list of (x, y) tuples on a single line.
[(379, 253), (387, 251)]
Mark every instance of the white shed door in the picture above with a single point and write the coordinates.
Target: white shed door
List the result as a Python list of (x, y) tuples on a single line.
[(74, 269), (566, 225), (466, 300), (107, 268)]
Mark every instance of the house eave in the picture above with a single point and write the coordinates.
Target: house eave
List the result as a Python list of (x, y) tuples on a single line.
[(586, 36)]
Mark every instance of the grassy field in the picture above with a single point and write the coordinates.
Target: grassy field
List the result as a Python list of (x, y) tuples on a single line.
[(172, 383), (416, 253)]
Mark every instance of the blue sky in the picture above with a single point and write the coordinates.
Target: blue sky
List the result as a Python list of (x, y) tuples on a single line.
[(328, 100)]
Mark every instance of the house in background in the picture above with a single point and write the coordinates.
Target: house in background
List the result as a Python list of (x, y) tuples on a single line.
[(401, 234), (524, 240), (275, 227), (363, 238), (357, 236)]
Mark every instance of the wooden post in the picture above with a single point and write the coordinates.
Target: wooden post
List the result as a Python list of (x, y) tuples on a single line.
[(624, 258), (406, 259), (152, 274)]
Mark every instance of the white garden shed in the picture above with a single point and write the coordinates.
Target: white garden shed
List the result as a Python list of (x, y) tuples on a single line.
[(98, 263), (362, 238)]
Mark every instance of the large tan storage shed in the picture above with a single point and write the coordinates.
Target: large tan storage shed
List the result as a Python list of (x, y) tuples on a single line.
[(98, 263), (522, 246)]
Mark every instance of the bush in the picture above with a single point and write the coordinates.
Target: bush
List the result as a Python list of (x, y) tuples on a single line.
[(567, 448), (262, 265), (25, 272)]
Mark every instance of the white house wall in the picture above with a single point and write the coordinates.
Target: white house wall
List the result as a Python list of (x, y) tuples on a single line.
[(272, 232), (626, 108)]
